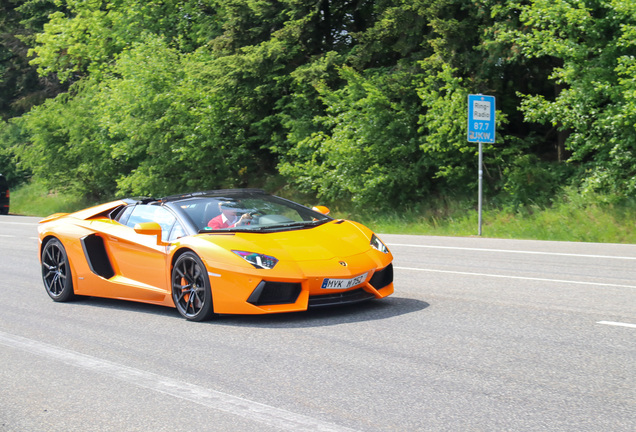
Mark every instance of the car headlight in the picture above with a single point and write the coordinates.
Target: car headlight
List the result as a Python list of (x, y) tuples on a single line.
[(260, 261), (377, 244)]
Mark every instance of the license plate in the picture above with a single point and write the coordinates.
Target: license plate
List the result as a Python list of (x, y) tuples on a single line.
[(343, 283)]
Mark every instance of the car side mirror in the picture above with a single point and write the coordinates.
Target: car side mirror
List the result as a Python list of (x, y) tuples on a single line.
[(151, 229), (321, 209)]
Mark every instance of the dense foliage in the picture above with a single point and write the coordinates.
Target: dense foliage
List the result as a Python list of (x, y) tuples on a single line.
[(353, 100)]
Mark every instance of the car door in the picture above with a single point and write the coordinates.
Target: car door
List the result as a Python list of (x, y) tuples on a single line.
[(139, 261)]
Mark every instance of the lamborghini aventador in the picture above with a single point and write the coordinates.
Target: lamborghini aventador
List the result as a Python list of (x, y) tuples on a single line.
[(214, 252)]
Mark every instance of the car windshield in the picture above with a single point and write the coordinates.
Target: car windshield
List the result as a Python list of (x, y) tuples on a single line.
[(247, 212)]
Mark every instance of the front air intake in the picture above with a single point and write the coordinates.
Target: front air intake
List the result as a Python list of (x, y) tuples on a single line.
[(382, 278), (273, 293), (343, 298)]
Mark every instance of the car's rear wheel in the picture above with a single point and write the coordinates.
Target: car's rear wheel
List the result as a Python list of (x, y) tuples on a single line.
[(56, 271), (191, 290)]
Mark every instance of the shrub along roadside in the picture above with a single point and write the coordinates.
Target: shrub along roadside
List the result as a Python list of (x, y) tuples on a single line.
[(569, 219)]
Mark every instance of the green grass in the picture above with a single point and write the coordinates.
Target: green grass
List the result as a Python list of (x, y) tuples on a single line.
[(570, 219), (564, 221), (35, 200)]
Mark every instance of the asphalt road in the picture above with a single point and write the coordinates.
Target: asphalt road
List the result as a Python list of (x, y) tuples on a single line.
[(481, 335)]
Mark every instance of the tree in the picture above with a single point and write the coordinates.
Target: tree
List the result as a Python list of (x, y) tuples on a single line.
[(393, 128), (367, 150), (20, 86), (354, 100), (591, 45)]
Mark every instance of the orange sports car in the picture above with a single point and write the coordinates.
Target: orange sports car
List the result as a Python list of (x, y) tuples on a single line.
[(215, 252)]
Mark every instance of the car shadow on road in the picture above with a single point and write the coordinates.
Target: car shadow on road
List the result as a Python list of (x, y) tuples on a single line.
[(327, 316), (108, 303)]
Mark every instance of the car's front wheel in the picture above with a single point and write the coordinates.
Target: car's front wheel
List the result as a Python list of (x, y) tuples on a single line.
[(56, 271), (191, 290)]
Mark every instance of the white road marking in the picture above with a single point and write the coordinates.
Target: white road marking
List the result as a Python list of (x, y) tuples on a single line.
[(516, 277), (14, 236), (258, 412), (18, 223), (618, 324), (513, 251)]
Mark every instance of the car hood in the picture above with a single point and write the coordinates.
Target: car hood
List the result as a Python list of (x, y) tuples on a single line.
[(324, 242)]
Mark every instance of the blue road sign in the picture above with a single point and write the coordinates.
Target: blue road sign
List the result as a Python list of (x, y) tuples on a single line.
[(481, 118)]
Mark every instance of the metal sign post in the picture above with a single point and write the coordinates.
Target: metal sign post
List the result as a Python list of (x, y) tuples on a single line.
[(481, 129)]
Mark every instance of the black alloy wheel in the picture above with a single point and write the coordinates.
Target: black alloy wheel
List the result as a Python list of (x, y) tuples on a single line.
[(191, 291), (56, 271)]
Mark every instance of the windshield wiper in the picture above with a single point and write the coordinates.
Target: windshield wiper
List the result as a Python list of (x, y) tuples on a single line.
[(291, 225), (303, 223), (223, 230)]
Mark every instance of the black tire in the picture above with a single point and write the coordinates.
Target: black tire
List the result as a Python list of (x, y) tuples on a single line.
[(56, 272), (191, 292)]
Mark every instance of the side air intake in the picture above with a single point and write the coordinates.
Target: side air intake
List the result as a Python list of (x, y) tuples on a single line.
[(96, 256)]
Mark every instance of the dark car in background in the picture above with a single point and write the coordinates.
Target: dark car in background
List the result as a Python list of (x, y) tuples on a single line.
[(4, 195)]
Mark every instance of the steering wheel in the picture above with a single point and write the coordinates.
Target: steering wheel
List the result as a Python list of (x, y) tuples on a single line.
[(254, 215)]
